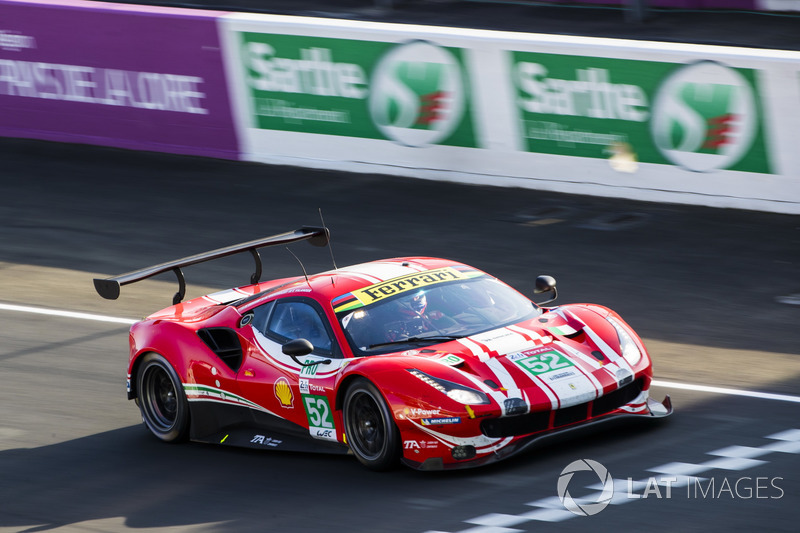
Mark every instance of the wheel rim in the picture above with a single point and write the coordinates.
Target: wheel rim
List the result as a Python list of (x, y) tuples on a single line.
[(367, 433), (160, 399)]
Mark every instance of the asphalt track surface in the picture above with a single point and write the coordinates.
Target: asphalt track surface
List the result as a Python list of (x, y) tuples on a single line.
[(704, 287)]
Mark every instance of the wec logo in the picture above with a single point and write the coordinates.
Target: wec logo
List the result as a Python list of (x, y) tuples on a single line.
[(417, 94), (704, 117)]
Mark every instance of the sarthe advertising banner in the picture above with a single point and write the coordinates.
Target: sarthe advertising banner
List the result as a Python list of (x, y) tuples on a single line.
[(414, 93), (665, 122), (701, 116)]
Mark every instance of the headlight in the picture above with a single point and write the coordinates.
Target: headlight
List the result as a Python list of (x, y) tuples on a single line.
[(629, 349), (466, 396), (454, 391)]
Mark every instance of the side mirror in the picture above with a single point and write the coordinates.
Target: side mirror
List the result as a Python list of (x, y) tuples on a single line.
[(545, 284), (298, 348)]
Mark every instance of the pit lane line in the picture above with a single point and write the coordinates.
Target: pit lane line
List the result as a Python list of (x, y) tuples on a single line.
[(656, 382)]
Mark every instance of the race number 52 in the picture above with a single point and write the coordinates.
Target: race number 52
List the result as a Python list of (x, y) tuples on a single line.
[(318, 412), (544, 362)]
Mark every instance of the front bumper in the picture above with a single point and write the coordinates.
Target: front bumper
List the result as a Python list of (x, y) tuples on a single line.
[(655, 411)]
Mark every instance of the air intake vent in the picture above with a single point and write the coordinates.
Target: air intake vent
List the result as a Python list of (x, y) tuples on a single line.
[(225, 343), (511, 426)]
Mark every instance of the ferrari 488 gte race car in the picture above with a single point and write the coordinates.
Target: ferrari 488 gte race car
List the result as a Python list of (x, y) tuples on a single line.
[(421, 360)]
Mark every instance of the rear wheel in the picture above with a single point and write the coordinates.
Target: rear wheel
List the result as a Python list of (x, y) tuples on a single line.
[(162, 401), (369, 427)]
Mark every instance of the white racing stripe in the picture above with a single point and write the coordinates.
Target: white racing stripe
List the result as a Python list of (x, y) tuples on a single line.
[(227, 296), (501, 372), (509, 386), (502, 340), (593, 363), (379, 272), (65, 314), (269, 347), (476, 350), (555, 402), (655, 382)]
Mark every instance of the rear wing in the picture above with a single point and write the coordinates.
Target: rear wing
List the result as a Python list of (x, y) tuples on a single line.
[(109, 288)]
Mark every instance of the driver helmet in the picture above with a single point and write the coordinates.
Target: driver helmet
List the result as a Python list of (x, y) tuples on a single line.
[(419, 302)]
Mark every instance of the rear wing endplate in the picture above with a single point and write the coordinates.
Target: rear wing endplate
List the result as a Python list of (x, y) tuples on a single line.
[(109, 288)]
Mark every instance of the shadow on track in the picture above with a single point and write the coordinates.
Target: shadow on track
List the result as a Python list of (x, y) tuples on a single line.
[(128, 474)]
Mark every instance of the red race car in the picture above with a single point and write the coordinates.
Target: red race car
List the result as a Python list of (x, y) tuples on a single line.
[(421, 360)]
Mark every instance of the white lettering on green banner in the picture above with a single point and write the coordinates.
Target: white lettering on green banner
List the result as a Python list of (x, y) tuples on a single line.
[(411, 93), (703, 116)]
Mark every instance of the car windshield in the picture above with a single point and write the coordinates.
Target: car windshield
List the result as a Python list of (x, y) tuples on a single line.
[(435, 314)]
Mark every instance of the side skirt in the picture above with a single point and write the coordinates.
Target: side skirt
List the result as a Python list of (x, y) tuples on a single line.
[(230, 425)]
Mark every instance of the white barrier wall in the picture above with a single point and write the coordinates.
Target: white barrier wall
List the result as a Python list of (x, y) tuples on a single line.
[(662, 122), (651, 121)]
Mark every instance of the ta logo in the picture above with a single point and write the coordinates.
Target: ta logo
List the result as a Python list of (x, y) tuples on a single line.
[(704, 117), (417, 94)]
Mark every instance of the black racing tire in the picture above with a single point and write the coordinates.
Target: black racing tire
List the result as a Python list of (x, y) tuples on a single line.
[(370, 428), (161, 399)]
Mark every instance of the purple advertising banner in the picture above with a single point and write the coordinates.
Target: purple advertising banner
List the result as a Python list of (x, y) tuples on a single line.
[(135, 77)]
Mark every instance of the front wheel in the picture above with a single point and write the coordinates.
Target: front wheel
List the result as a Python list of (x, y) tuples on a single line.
[(162, 401), (369, 427)]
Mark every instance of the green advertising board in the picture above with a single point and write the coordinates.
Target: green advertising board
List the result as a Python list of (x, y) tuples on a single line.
[(702, 116), (413, 93)]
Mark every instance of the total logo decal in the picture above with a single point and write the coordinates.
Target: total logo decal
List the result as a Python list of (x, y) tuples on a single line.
[(704, 117), (307, 387)]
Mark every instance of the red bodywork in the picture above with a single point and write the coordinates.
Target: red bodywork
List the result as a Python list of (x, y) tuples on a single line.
[(560, 370)]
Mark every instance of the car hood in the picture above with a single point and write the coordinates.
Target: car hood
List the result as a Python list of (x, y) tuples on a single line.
[(551, 362)]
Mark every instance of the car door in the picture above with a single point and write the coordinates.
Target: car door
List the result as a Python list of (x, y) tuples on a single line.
[(299, 390)]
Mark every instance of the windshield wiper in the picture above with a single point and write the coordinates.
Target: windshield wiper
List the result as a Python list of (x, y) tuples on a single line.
[(432, 338)]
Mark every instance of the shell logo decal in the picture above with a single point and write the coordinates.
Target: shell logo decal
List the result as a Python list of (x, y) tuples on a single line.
[(283, 392)]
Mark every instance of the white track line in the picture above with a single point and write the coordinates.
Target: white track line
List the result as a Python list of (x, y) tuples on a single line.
[(66, 314), (722, 390), (656, 382)]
